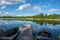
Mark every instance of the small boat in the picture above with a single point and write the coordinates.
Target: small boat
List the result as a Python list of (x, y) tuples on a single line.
[(10, 34), (44, 35)]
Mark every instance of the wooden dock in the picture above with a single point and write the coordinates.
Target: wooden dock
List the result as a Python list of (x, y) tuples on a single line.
[(25, 33)]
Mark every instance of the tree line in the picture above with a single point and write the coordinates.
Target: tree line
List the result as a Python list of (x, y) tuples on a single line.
[(41, 16)]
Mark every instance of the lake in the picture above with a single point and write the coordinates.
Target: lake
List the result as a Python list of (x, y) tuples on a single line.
[(53, 27)]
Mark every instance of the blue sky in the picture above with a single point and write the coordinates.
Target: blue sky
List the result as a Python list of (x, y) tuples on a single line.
[(28, 7)]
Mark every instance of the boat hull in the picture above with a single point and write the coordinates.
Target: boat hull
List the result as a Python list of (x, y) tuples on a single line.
[(10, 34)]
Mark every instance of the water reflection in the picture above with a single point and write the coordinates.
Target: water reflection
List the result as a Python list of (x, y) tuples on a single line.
[(37, 26), (41, 22)]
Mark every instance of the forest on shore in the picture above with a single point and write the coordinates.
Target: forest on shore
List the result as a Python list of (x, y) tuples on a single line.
[(41, 16)]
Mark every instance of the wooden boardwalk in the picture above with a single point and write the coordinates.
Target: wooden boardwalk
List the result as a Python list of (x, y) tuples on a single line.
[(25, 34)]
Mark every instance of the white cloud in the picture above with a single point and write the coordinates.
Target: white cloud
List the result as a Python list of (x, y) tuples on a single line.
[(26, 14), (36, 7), (24, 6), (29, 7), (3, 7), (53, 10), (5, 14), (9, 2), (45, 6), (0, 12), (18, 15), (3, 3)]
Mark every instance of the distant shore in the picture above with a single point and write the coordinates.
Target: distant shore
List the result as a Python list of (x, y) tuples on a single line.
[(44, 19), (29, 19)]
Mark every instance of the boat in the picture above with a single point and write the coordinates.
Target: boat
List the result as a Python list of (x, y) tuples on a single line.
[(2, 29), (10, 34), (44, 35)]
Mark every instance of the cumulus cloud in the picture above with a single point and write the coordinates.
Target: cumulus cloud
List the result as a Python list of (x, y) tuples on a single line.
[(24, 6), (26, 14), (5, 14), (8, 2), (36, 7), (3, 7), (3, 3), (53, 10), (18, 15), (29, 7)]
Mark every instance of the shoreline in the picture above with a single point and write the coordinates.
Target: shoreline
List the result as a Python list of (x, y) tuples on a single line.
[(28, 19)]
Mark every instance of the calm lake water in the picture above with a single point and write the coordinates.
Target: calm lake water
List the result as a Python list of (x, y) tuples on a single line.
[(37, 26)]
